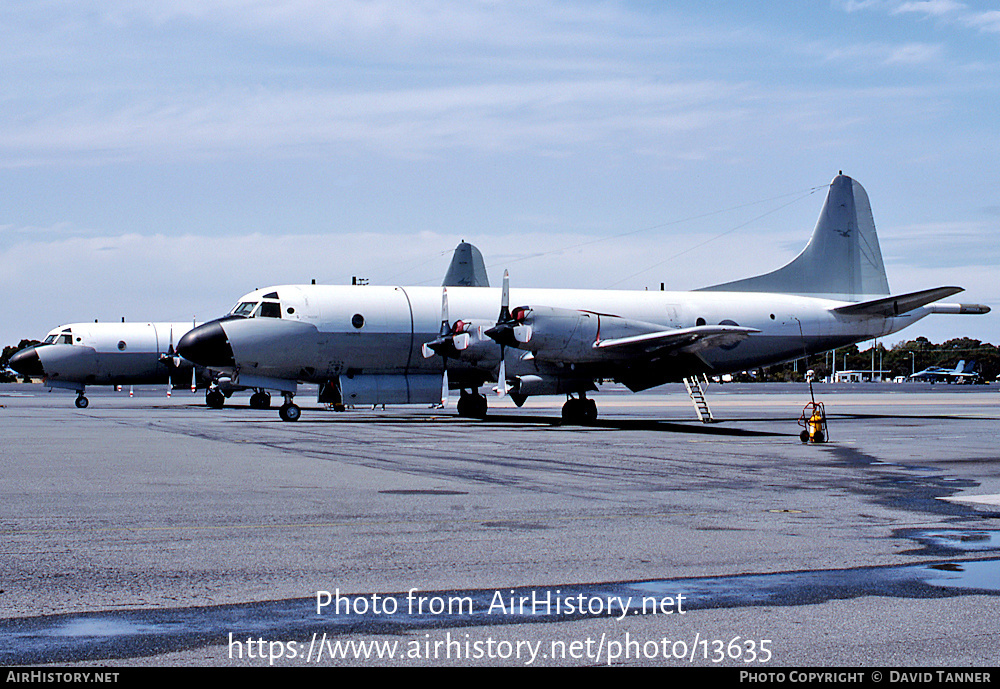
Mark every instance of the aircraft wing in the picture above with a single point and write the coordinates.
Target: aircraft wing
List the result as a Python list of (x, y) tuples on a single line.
[(688, 340)]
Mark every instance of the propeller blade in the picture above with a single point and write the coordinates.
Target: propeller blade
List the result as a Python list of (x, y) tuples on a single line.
[(445, 323), (444, 389), (502, 387), (194, 379), (505, 299)]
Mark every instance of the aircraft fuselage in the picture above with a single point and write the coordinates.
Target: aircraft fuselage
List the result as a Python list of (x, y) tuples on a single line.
[(328, 331)]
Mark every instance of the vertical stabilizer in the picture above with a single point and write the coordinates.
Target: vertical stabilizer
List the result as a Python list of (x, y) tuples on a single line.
[(842, 259), (467, 268)]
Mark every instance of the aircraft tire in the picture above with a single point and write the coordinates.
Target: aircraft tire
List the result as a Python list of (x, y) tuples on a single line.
[(215, 399), (289, 412), (260, 400), (82, 402), (472, 406), (571, 413), (579, 412)]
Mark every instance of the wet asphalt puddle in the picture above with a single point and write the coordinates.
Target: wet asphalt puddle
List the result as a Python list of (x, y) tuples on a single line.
[(107, 635)]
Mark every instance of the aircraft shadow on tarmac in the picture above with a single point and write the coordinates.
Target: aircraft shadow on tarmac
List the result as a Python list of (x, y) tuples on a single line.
[(520, 421)]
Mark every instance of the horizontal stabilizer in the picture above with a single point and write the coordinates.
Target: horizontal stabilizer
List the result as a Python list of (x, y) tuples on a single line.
[(690, 339), (975, 309), (898, 304)]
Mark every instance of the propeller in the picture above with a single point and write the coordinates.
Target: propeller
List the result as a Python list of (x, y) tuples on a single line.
[(194, 369), (172, 361), (510, 331), (452, 339)]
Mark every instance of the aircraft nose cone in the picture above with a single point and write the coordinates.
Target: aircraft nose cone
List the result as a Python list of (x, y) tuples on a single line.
[(207, 345), (27, 363)]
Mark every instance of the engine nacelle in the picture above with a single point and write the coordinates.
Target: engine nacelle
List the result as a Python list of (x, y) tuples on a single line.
[(565, 334), (526, 386)]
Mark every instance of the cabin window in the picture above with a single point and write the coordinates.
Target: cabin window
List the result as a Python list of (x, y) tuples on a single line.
[(358, 321), (121, 345)]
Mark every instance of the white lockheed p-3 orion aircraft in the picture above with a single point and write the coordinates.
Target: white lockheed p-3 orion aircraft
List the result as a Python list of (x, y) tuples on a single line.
[(394, 344), (75, 355)]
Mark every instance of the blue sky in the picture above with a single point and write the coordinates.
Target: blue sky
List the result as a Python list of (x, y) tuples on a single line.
[(158, 160)]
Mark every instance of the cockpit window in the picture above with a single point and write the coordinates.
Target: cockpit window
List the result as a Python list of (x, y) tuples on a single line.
[(270, 309), (255, 309), (244, 309), (61, 338)]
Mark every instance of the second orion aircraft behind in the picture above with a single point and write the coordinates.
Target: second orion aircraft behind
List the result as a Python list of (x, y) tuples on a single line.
[(394, 344)]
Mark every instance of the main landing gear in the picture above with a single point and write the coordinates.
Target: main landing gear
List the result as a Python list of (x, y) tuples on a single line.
[(472, 405), (260, 399), (289, 411), (214, 398), (579, 411)]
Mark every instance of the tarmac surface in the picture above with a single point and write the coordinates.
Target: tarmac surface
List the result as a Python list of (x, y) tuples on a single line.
[(154, 531)]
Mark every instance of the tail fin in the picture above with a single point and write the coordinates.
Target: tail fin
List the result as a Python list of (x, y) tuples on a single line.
[(467, 268), (842, 259)]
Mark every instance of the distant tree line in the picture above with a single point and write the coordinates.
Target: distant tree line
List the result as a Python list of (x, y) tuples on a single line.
[(901, 359)]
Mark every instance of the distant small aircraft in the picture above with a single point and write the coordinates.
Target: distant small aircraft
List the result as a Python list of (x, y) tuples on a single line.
[(393, 344), (962, 373)]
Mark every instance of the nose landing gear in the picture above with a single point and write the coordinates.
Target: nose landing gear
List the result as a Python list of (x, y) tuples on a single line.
[(289, 411)]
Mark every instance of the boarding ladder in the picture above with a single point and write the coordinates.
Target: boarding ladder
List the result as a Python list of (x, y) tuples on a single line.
[(697, 395)]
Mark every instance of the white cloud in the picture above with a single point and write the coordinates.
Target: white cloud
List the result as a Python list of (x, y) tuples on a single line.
[(932, 8), (914, 54), (984, 21)]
